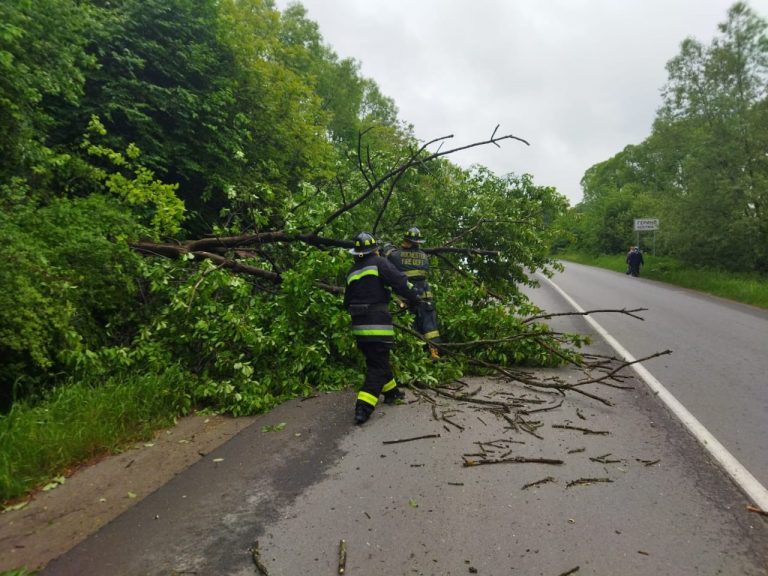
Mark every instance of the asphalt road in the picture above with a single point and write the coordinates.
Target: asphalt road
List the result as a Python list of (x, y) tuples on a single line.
[(637, 496), (719, 365)]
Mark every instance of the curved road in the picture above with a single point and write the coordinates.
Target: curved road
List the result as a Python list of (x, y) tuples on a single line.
[(719, 366), (599, 490)]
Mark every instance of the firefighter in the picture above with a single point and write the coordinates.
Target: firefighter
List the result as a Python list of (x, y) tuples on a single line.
[(366, 298), (414, 263)]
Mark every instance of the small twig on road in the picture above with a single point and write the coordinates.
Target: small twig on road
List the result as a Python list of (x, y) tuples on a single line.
[(423, 396), (538, 482), (582, 481), (256, 556), (756, 510), (576, 450), (342, 556), (452, 423), (582, 430), (571, 571), (648, 462), (516, 460), (605, 460), (401, 440), (526, 412), (466, 398)]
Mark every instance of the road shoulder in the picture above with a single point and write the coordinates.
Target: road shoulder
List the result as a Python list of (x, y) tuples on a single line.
[(57, 520)]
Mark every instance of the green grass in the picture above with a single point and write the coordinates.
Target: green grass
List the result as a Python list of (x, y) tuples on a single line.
[(80, 420), (746, 288)]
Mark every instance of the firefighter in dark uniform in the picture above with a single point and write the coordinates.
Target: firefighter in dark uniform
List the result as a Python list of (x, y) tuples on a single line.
[(366, 298), (414, 263)]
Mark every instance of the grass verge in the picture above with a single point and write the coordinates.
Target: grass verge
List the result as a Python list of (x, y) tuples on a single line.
[(746, 288), (81, 420)]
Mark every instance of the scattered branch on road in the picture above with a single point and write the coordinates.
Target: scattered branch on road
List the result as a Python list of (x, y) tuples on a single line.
[(587, 313), (584, 481), (569, 572), (582, 430), (256, 556), (756, 510), (411, 439), (605, 460), (452, 423), (546, 480), (615, 371), (527, 412), (648, 462), (342, 556), (515, 460)]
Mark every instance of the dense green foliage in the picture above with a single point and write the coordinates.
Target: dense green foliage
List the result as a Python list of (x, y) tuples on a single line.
[(703, 171), (164, 121)]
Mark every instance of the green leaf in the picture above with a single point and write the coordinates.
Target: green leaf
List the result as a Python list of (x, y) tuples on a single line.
[(273, 427)]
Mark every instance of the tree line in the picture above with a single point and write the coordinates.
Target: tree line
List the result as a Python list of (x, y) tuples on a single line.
[(703, 171), (177, 178)]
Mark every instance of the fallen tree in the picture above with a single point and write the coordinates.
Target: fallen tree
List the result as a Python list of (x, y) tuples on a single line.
[(487, 234)]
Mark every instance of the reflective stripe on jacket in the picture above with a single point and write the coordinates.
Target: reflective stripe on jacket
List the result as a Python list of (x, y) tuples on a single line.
[(367, 295)]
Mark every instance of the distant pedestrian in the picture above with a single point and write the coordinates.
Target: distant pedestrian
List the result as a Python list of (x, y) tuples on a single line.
[(635, 261)]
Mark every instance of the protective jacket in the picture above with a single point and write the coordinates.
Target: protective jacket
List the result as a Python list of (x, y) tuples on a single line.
[(366, 297), (414, 263)]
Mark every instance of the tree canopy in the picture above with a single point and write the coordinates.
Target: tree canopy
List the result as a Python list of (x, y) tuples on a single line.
[(178, 179), (703, 171)]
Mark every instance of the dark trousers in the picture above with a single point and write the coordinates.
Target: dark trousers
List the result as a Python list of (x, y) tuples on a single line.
[(425, 322), (378, 371)]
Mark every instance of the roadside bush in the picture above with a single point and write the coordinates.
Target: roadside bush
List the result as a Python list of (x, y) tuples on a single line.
[(67, 286), (78, 420)]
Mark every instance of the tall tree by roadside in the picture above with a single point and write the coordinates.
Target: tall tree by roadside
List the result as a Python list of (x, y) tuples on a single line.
[(703, 171), (42, 57), (714, 110)]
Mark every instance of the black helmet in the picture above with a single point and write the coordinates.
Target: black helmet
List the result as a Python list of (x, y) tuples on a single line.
[(365, 243), (413, 235)]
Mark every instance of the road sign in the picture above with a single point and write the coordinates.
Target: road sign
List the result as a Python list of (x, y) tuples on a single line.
[(646, 224)]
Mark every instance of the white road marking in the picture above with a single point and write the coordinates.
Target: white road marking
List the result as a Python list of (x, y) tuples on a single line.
[(748, 483)]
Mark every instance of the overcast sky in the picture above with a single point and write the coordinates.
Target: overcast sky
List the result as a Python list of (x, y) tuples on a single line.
[(578, 79)]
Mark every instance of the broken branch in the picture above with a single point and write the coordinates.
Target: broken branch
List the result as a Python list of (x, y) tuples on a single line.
[(515, 460), (401, 440)]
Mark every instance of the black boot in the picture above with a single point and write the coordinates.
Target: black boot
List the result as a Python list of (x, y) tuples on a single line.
[(391, 396), (363, 411)]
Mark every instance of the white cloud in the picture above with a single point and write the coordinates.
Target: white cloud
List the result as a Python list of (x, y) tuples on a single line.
[(578, 79)]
